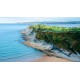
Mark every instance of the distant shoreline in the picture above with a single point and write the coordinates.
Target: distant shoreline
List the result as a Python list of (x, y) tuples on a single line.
[(46, 22)]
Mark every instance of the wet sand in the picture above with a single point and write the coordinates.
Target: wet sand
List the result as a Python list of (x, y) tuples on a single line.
[(51, 59)]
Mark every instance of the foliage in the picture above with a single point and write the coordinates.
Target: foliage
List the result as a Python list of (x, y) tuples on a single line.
[(63, 37)]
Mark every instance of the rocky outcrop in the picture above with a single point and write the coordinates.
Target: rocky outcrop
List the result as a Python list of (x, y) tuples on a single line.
[(30, 40)]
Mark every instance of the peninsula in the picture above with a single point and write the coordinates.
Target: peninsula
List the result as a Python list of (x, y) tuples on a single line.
[(54, 41)]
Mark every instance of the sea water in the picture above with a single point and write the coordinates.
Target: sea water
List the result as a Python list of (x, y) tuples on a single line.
[(11, 48)]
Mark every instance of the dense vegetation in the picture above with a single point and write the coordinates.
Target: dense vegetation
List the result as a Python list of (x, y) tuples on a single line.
[(62, 37)]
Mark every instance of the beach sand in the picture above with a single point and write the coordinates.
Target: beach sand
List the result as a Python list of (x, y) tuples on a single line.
[(51, 59), (45, 58)]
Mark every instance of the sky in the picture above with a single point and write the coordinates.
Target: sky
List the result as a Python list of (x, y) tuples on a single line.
[(38, 19)]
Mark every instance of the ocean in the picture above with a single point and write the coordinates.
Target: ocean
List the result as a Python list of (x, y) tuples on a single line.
[(11, 48)]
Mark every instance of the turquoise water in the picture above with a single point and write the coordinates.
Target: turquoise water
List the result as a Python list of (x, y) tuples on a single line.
[(11, 49)]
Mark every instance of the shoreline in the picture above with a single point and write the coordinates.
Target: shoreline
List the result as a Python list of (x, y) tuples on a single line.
[(51, 59), (45, 58), (31, 41)]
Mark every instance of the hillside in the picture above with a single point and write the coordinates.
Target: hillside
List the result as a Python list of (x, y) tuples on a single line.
[(62, 37)]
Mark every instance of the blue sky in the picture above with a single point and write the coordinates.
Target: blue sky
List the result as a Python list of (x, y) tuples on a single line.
[(34, 19)]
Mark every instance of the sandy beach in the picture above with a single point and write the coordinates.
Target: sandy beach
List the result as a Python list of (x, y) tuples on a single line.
[(52, 59)]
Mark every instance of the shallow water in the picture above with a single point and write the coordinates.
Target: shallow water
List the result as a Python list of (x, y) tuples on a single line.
[(11, 49)]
